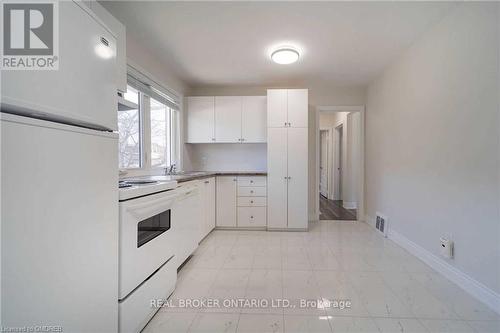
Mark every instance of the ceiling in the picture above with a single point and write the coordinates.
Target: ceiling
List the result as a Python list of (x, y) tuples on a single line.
[(228, 43)]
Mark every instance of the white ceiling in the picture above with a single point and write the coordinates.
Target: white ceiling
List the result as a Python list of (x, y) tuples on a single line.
[(227, 43)]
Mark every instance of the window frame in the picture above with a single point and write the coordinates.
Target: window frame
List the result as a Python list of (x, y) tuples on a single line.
[(144, 106)]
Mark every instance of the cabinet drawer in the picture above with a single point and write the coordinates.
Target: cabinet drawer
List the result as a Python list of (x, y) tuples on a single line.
[(252, 181), (251, 191), (252, 201), (252, 216)]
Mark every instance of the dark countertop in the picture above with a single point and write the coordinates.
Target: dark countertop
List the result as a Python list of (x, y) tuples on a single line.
[(208, 174)]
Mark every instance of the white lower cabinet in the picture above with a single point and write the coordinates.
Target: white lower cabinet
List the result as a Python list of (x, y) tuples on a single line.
[(251, 217), (241, 202), (287, 177), (226, 201), (208, 199)]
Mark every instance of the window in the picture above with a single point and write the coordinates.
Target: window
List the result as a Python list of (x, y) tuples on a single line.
[(129, 124), (149, 135), (160, 134)]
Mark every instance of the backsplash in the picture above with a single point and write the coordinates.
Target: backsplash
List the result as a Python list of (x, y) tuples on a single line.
[(226, 157)]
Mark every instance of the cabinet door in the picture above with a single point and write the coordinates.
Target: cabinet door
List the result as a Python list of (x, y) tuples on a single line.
[(251, 217), (276, 107), (276, 177), (298, 178), (200, 119), (226, 201), (227, 118), (298, 107), (209, 204), (254, 119)]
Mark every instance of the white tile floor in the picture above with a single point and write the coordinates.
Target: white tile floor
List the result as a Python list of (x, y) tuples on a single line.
[(390, 290)]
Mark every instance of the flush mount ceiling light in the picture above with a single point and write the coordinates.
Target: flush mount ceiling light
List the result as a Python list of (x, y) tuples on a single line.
[(285, 55)]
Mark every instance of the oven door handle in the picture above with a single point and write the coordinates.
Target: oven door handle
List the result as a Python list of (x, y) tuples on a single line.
[(151, 208)]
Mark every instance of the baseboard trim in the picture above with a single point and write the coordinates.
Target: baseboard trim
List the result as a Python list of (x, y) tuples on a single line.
[(464, 281), (350, 204), (314, 216)]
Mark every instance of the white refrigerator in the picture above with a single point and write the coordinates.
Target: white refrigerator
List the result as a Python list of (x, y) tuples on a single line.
[(59, 186)]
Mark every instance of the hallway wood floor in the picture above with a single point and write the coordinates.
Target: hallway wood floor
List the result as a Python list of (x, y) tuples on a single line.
[(333, 210)]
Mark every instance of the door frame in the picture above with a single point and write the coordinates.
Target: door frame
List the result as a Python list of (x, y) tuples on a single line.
[(328, 158), (337, 162), (361, 175)]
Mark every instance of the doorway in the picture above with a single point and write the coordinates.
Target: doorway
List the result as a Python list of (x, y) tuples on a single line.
[(340, 163)]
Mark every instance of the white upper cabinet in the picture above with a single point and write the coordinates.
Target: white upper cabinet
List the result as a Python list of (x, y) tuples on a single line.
[(297, 107), (277, 108), (253, 119), (117, 29), (228, 119), (287, 108), (201, 119)]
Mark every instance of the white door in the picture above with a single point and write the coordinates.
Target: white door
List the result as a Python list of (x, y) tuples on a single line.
[(298, 178), (254, 119), (209, 192), (228, 118), (226, 201), (276, 107), (323, 164), (200, 119), (298, 107), (83, 89), (276, 177)]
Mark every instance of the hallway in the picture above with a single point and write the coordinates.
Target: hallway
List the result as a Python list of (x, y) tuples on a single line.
[(333, 210)]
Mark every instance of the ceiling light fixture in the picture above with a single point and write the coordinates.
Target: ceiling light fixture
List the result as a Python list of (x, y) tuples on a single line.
[(285, 55)]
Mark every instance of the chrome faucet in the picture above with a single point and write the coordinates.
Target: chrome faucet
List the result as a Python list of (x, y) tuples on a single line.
[(170, 170)]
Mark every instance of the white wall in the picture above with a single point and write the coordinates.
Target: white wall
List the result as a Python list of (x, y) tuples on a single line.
[(318, 95), (140, 56), (432, 141)]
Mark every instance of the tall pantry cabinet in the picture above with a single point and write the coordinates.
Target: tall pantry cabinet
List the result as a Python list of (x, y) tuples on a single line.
[(287, 158)]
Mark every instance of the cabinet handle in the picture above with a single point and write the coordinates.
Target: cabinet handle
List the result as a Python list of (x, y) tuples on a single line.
[(251, 217), (251, 191), (234, 179), (207, 181), (213, 139), (251, 181), (251, 201)]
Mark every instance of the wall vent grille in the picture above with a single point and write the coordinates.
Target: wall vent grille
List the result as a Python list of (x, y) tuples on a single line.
[(381, 224)]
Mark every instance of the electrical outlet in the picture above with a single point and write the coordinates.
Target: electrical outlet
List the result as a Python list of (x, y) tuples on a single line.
[(446, 248)]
